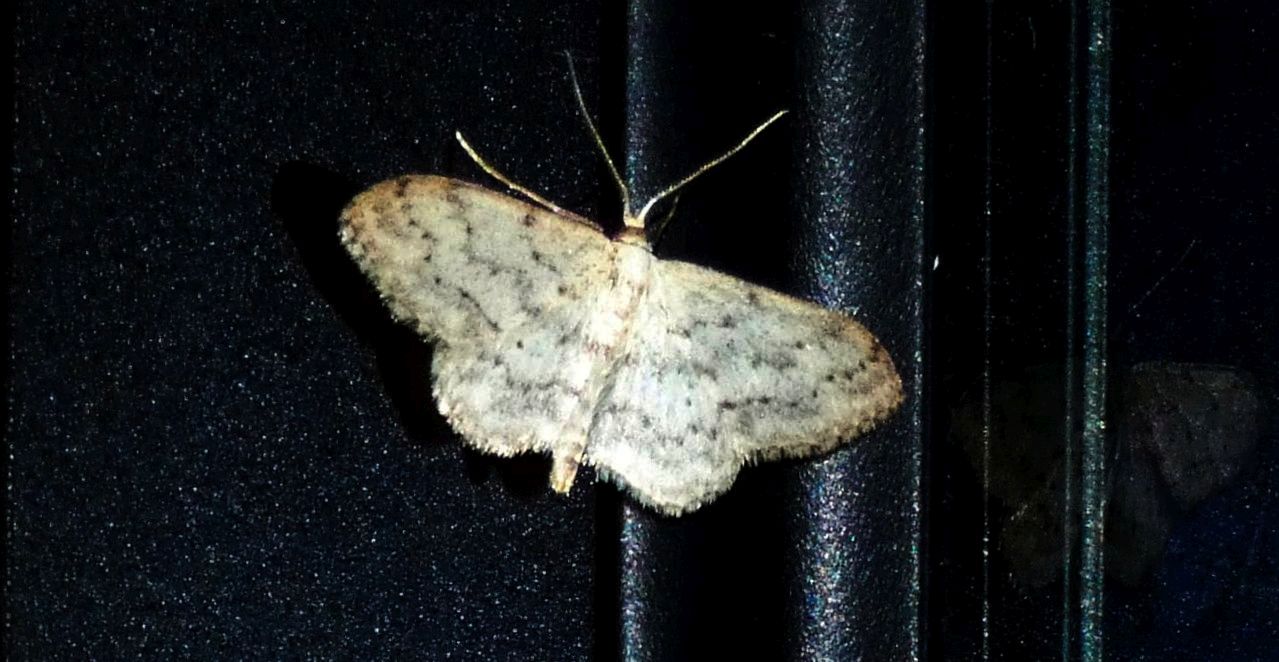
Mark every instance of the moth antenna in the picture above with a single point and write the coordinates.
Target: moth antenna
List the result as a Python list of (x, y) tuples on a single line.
[(702, 170), (660, 228), (497, 174), (599, 141)]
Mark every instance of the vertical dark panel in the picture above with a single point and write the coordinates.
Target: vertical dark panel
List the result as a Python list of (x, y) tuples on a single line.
[(803, 555), (1192, 289), (855, 535), (1002, 85), (1096, 223), (698, 79), (659, 555), (1112, 231)]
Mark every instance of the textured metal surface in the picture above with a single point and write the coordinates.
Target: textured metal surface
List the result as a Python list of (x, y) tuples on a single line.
[(709, 584), (219, 444), (1109, 245), (846, 539), (858, 177), (1095, 320)]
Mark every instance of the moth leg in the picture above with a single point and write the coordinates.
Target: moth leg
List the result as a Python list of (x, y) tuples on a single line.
[(564, 463)]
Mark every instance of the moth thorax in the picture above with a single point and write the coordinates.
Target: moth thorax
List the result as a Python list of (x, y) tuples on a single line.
[(633, 235)]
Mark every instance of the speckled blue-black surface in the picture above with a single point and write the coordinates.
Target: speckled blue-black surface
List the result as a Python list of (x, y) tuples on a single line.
[(221, 446), (812, 560), (1190, 136)]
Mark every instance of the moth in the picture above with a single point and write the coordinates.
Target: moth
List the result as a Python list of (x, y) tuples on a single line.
[(552, 337)]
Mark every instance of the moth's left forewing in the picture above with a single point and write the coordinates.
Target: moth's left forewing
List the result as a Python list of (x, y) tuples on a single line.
[(720, 372), (463, 263), (502, 287), (803, 378)]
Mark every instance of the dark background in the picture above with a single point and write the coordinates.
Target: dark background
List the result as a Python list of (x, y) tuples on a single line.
[(220, 445)]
